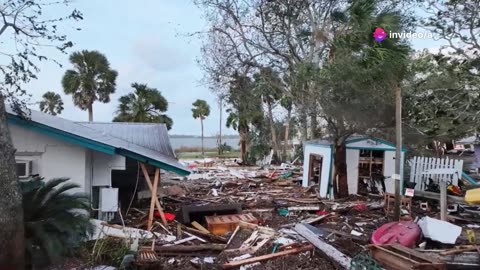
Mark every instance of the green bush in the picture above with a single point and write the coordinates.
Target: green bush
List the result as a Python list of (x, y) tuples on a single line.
[(56, 220)]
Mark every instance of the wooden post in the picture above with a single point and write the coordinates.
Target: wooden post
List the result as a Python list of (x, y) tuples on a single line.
[(149, 183), (398, 152), (152, 201), (443, 200)]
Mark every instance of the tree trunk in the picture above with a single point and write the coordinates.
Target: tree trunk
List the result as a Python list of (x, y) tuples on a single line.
[(304, 124), (272, 130), (11, 212), (201, 123), (314, 124), (285, 139), (243, 144), (340, 163), (90, 113)]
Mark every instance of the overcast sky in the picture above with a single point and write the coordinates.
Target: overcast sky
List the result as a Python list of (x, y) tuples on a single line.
[(146, 42)]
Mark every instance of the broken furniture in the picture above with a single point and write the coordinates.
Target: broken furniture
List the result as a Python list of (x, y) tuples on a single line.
[(397, 257), (190, 213), (219, 225), (389, 202)]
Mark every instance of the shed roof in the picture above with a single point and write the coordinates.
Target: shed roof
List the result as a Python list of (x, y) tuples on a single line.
[(98, 140), (352, 141)]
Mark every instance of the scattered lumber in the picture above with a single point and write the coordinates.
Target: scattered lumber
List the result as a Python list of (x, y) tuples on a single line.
[(211, 237), (194, 248), (347, 235), (267, 257), (397, 257), (458, 249), (436, 196), (305, 201), (199, 227), (317, 219), (334, 254)]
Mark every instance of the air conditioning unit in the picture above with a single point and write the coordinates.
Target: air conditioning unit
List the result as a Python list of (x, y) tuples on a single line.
[(24, 168), (108, 203)]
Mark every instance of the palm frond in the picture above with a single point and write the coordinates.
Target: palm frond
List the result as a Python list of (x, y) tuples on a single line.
[(55, 219)]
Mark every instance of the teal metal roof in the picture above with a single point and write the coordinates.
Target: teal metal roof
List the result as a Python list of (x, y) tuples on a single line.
[(97, 140)]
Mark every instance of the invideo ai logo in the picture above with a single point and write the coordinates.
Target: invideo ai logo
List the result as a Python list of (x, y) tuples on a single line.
[(379, 34)]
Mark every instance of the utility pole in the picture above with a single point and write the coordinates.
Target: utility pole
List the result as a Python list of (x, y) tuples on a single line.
[(398, 153), (220, 127)]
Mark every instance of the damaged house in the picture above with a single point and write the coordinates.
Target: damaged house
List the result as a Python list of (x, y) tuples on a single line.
[(369, 162), (104, 159)]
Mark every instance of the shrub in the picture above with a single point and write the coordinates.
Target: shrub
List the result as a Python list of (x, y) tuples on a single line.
[(56, 220)]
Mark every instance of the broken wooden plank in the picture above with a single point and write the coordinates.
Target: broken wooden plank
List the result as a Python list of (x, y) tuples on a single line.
[(333, 253), (347, 235), (149, 184), (305, 201), (196, 237), (199, 227), (267, 257), (397, 257), (193, 248), (436, 196), (317, 219), (181, 241), (458, 249), (213, 238), (152, 200), (303, 208)]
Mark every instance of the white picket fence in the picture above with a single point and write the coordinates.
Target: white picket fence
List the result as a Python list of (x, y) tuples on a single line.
[(421, 168)]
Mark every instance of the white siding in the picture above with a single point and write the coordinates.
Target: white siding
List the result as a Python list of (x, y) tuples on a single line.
[(52, 158), (326, 153), (353, 156), (102, 168)]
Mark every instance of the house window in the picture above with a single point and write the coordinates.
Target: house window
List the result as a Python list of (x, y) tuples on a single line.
[(24, 168)]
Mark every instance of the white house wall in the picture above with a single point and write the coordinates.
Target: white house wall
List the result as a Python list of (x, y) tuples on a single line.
[(326, 153), (52, 158), (103, 165), (353, 156)]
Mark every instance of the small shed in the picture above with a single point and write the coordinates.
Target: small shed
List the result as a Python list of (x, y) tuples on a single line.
[(366, 156)]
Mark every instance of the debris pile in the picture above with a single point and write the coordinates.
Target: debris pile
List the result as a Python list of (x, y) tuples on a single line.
[(262, 218)]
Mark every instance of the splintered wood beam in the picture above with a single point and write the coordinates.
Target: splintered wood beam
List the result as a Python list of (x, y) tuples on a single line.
[(334, 254), (154, 195), (267, 257), (190, 248), (152, 200)]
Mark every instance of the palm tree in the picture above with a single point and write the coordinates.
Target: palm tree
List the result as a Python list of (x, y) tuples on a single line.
[(145, 104), (52, 103), (55, 219), (245, 108), (91, 79), (201, 110)]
